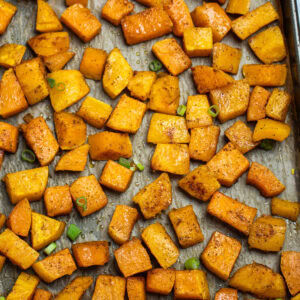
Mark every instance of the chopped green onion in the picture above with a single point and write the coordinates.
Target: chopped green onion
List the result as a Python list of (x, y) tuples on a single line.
[(2, 298), (60, 86), (51, 82), (50, 248), (28, 155), (192, 263), (213, 111), (73, 232), (181, 110), (80, 204), (155, 65), (139, 166), (124, 162), (267, 144)]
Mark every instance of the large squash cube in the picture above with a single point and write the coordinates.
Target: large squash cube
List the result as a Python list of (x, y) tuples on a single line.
[(257, 104), (238, 7), (135, 287), (226, 293), (9, 136), (11, 55), (7, 11), (285, 209), (57, 61), (160, 281)]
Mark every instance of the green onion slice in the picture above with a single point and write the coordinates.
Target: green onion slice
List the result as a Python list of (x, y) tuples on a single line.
[(213, 111), (28, 155), (80, 204), (51, 82), (124, 162), (60, 86), (155, 65), (50, 248), (2, 298), (139, 166), (192, 263), (73, 232), (181, 110), (267, 144)]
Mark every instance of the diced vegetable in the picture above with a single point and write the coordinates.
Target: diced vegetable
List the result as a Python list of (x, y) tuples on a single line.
[(257, 104), (11, 55), (238, 7), (228, 293), (57, 61), (160, 281), (109, 287), (9, 136), (8, 10), (285, 209), (50, 248), (135, 287), (192, 264), (42, 295)]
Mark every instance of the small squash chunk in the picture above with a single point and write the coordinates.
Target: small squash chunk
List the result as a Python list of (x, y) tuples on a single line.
[(165, 129), (264, 180), (116, 177), (91, 253), (31, 76), (107, 145), (153, 3), (29, 184), (81, 21), (251, 22), (154, 197), (132, 258), (109, 287), (165, 95), (72, 2), (55, 266), (122, 223), (200, 183), (89, 188), (2, 262), (267, 234), (115, 10), (191, 284), (2, 220), (238, 7), (204, 142), (24, 287), (92, 63), (160, 281), (257, 104), (226, 58), (207, 79), (11, 55), (46, 18), (19, 220), (117, 73), (290, 268), (265, 75), (172, 158), (45, 230), (186, 226), (232, 100), (259, 280), (136, 288), (220, 254), (241, 136), (57, 61), (58, 200), (7, 11), (76, 288), (42, 295), (154, 22), (1, 162), (228, 165), (285, 209), (160, 244), (212, 15), (9, 136), (170, 53), (236, 214), (17, 250), (40, 139), (226, 294), (128, 115)]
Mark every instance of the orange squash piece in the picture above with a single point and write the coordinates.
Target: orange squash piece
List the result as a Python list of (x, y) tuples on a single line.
[(160, 281), (257, 104), (136, 288), (2, 220), (7, 11), (42, 295), (9, 135), (57, 61), (226, 294)]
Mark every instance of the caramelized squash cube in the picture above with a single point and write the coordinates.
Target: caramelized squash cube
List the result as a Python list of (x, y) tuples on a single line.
[(227, 293), (136, 288), (285, 209), (9, 136), (57, 61), (42, 295), (257, 104), (7, 11), (238, 7), (160, 281), (11, 55)]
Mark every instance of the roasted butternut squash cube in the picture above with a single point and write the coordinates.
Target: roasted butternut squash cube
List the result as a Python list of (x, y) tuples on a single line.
[(127, 115), (41, 140), (154, 197), (115, 10), (200, 183), (257, 104), (2, 220), (132, 258), (11, 55), (89, 188), (160, 281), (31, 76), (165, 129), (278, 105), (226, 293), (191, 284), (212, 15), (236, 214), (91, 253), (165, 95), (57, 61), (136, 288), (170, 53), (117, 73), (264, 180), (2, 262), (172, 158), (69, 88), (29, 184), (7, 11), (19, 220), (186, 226), (122, 223), (17, 250), (9, 136), (238, 7), (81, 21), (42, 295), (107, 145), (226, 58), (72, 2), (251, 22), (154, 21), (285, 209), (58, 200), (220, 254), (160, 244), (207, 79), (297, 297), (55, 266)]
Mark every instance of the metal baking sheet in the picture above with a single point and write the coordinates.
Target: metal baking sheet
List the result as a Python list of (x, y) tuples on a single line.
[(281, 160)]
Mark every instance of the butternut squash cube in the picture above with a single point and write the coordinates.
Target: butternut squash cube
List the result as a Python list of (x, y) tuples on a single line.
[(72, 2), (7, 11), (1, 160), (11, 55), (2, 262), (9, 136), (132, 258), (238, 7), (285, 209), (297, 297), (42, 295), (257, 104), (226, 293), (2, 220), (136, 288), (160, 281), (152, 3), (57, 61), (220, 254), (160, 244)]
